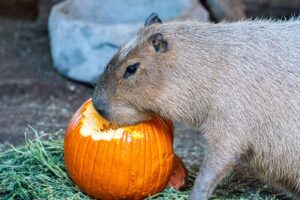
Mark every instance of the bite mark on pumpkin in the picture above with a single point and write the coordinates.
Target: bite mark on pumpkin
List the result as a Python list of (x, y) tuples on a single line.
[(97, 130)]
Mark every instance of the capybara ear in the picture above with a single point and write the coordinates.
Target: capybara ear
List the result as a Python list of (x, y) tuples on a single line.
[(152, 19), (158, 42)]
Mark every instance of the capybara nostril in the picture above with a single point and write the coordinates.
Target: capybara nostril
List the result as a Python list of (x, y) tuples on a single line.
[(103, 113), (101, 107)]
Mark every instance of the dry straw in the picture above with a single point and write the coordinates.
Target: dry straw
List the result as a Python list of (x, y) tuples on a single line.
[(37, 171)]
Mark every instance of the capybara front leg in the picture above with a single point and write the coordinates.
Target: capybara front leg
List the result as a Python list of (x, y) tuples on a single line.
[(217, 163)]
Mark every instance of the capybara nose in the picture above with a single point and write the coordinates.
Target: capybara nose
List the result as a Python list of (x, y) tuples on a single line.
[(101, 107), (103, 112)]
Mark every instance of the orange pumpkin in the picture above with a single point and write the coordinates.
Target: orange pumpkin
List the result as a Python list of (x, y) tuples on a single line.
[(119, 163)]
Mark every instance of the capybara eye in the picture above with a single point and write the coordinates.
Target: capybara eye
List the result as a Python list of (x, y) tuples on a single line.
[(131, 69)]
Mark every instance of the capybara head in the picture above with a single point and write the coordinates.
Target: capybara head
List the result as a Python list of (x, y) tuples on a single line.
[(130, 87)]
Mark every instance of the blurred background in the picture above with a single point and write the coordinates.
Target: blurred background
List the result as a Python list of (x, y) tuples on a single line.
[(47, 64)]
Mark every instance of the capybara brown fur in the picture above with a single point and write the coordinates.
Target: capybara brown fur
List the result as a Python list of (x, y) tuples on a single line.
[(239, 83)]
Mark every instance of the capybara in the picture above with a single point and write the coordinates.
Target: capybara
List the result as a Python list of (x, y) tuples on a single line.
[(239, 83)]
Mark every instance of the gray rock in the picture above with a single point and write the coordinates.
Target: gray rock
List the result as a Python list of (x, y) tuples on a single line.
[(233, 10), (227, 10), (84, 36)]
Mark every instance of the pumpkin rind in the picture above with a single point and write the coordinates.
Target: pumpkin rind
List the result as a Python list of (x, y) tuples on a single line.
[(111, 164)]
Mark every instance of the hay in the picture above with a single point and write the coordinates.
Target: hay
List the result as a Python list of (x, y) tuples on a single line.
[(37, 171)]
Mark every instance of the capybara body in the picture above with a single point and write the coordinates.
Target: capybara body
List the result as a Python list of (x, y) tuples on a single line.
[(237, 82)]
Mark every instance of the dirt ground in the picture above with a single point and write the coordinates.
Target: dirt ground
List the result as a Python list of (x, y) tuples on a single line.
[(31, 91)]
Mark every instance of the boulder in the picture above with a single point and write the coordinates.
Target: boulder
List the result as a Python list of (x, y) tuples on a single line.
[(85, 36)]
